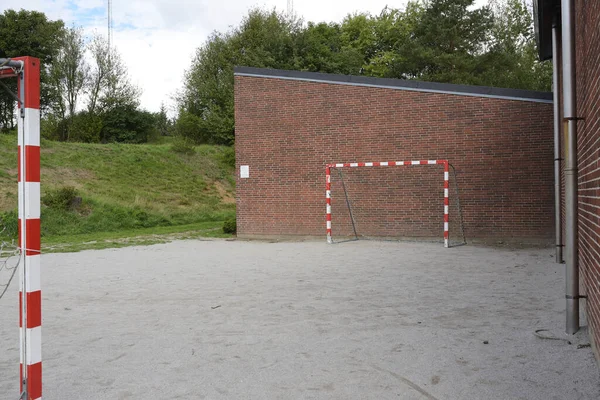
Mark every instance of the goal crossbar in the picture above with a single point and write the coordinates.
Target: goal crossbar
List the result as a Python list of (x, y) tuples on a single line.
[(444, 163)]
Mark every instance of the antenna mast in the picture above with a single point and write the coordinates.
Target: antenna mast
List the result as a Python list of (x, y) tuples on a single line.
[(110, 26)]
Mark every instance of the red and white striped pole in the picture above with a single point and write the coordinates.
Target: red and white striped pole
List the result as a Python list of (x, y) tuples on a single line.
[(30, 295), (446, 203), (328, 200)]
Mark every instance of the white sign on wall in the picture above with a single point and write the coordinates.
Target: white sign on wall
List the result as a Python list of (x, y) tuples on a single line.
[(244, 171)]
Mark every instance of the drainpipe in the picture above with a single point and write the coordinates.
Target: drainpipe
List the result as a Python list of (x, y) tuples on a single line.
[(557, 158), (570, 129)]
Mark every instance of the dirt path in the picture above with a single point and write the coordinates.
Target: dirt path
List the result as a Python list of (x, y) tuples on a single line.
[(253, 320)]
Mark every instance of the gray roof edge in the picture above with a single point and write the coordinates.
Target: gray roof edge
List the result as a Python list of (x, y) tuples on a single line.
[(398, 84)]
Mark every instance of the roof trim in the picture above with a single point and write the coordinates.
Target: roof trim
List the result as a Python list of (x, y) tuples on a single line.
[(398, 84)]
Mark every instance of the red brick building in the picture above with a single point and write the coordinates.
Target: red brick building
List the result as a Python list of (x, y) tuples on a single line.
[(290, 124), (585, 41)]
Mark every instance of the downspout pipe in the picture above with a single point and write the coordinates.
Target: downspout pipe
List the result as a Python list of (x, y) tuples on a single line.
[(571, 173), (556, 44)]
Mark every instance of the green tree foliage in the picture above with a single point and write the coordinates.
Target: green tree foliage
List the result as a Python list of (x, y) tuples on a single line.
[(126, 123), (29, 33), (512, 59), (163, 123), (109, 83), (264, 39), (112, 113), (434, 40), (69, 74)]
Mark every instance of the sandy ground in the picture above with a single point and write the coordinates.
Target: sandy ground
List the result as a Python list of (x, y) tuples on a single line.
[(255, 320)]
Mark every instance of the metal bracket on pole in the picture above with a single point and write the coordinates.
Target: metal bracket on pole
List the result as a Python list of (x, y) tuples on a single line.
[(24, 392)]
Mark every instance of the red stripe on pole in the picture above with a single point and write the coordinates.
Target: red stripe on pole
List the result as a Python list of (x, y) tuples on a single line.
[(34, 309), (446, 201), (376, 164), (328, 201), (34, 381), (32, 81), (445, 184), (445, 234), (34, 244), (32, 157), (328, 217), (423, 162), (361, 164), (445, 217)]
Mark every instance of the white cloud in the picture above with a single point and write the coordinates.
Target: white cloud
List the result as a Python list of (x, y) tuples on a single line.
[(157, 38)]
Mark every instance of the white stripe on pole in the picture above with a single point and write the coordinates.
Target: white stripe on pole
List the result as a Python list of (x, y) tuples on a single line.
[(34, 345)]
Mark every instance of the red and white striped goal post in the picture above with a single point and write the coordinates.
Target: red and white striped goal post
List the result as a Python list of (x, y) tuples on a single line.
[(445, 163), (27, 72)]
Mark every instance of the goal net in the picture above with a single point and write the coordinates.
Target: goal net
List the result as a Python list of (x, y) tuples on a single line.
[(393, 200)]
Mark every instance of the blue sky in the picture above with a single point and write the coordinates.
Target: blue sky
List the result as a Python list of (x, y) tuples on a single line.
[(146, 31)]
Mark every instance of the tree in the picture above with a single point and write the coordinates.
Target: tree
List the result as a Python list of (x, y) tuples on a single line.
[(29, 33), (69, 73), (162, 121), (511, 60), (263, 39), (109, 84), (445, 42), (320, 48)]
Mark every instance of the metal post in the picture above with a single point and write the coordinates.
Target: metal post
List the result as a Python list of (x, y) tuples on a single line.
[(557, 158), (23, 238), (446, 204), (30, 318), (348, 204), (328, 200), (570, 127)]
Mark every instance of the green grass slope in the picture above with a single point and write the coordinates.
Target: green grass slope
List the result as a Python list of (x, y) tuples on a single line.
[(126, 190)]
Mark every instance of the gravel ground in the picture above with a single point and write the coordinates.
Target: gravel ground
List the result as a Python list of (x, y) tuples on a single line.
[(303, 320)]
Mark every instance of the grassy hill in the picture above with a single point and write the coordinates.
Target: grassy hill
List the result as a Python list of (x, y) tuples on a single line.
[(96, 195)]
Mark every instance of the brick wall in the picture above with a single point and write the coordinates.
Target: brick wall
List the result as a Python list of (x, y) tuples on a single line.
[(588, 107), (288, 129)]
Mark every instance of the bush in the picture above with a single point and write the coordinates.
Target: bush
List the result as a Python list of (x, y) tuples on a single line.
[(189, 126), (126, 124), (183, 146), (230, 226), (228, 156), (85, 127), (61, 199)]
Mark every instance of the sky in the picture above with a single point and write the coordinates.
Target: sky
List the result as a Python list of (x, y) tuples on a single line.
[(157, 38)]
